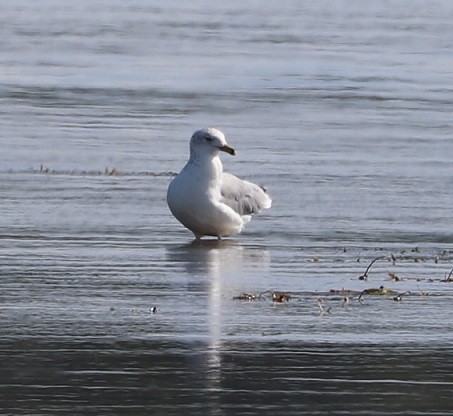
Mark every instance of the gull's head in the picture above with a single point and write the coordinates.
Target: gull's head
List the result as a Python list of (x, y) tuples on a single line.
[(211, 141)]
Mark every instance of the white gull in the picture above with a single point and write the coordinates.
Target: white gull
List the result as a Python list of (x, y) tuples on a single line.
[(208, 201)]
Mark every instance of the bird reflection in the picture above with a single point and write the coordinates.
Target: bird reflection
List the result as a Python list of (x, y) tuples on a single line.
[(221, 266), (200, 256)]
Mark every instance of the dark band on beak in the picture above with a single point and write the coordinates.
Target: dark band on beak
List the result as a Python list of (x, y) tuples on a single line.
[(228, 149)]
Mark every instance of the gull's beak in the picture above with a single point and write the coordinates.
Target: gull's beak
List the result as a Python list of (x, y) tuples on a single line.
[(228, 149)]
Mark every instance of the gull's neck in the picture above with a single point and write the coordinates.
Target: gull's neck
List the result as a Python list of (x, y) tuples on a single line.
[(208, 164), (198, 158)]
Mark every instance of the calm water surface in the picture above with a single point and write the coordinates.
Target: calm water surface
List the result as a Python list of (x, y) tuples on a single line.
[(341, 109)]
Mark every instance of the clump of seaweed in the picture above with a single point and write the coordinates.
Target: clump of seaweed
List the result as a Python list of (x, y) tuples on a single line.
[(278, 297), (334, 299), (381, 291), (342, 291), (247, 297)]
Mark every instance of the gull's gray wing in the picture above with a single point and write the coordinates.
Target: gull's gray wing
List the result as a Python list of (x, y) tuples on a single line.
[(244, 197)]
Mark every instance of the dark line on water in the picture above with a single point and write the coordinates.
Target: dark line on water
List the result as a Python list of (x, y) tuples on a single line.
[(81, 172)]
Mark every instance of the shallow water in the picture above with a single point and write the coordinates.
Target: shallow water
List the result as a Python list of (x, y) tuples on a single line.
[(342, 110)]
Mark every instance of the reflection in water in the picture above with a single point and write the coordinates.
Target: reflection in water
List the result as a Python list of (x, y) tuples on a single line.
[(225, 261), (213, 358), (220, 263)]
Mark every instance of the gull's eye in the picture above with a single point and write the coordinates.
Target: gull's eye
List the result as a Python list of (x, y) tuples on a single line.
[(209, 139)]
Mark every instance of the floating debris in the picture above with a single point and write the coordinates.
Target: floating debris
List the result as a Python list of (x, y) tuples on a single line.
[(344, 297), (381, 291), (422, 293), (448, 279), (319, 302), (111, 172), (280, 297), (393, 277), (399, 298), (365, 275), (342, 292), (247, 296), (107, 171)]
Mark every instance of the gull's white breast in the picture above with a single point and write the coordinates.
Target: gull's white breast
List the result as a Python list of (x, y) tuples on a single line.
[(194, 199)]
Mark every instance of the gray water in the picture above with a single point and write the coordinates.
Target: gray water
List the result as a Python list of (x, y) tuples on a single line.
[(342, 109)]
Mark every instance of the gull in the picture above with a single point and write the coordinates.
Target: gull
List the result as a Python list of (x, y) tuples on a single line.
[(208, 201)]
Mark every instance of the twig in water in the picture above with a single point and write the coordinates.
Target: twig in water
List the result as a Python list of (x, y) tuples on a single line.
[(399, 298), (365, 275), (393, 277), (421, 292), (449, 278), (321, 309)]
